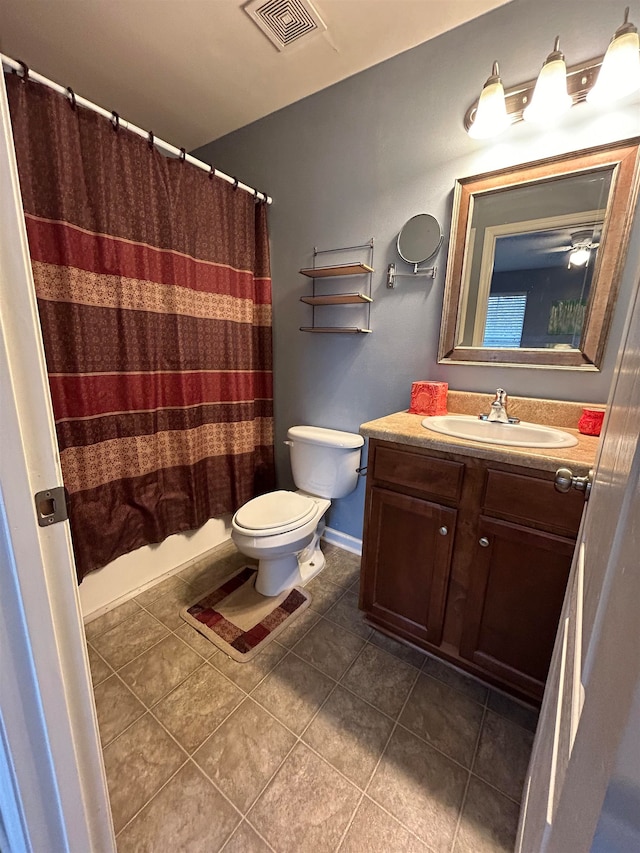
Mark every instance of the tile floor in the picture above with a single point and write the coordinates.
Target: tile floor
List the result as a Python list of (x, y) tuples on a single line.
[(334, 738)]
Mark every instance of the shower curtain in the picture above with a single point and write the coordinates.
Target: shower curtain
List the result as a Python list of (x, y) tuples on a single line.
[(154, 295)]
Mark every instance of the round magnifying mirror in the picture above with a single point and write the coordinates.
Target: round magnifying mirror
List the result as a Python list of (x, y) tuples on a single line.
[(419, 238)]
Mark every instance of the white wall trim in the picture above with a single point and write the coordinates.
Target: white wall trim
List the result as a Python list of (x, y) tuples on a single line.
[(343, 540)]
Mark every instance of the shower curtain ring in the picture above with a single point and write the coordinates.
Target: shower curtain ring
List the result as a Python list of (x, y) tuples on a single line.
[(25, 70), (212, 172), (72, 97), (235, 183), (183, 154), (255, 197), (150, 139), (115, 120)]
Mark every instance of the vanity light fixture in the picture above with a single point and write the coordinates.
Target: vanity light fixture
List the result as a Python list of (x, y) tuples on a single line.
[(550, 97), (491, 112), (620, 71), (601, 80)]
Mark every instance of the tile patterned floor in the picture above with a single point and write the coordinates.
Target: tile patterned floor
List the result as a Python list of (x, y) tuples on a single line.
[(335, 738)]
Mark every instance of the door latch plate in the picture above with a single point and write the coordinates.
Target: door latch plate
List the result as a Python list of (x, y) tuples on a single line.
[(51, 506)]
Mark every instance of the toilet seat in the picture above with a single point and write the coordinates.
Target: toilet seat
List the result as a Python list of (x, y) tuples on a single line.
[(273, 513)]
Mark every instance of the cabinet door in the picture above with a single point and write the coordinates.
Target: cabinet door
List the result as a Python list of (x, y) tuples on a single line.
[(517, 586), (406, 563)]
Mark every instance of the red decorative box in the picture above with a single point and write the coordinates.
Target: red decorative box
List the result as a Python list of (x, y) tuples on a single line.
[(590, 422), (429, 398)]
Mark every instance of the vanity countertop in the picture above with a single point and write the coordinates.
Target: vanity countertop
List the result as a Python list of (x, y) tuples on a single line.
[(405, 428)]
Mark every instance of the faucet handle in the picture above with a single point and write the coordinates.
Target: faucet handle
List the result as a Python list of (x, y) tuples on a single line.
[(501, 396)]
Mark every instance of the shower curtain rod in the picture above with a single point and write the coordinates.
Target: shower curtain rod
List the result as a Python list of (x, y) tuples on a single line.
[(21, 68)]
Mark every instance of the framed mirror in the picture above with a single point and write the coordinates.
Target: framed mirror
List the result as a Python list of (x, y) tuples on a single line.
[(535, 259)]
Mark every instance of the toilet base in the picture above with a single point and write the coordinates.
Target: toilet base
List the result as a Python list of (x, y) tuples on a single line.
[(277, 574), (311, 561)]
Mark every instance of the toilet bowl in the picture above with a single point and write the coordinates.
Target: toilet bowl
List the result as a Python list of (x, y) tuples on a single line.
[(282, 529), (284, 541)]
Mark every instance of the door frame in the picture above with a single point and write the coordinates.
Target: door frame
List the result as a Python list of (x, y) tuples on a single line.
[(57, 798)]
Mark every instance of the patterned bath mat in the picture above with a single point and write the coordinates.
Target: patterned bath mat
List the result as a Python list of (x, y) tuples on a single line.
[(241, 621)]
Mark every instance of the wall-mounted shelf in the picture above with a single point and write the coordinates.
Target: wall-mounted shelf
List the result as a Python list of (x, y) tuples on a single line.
[(323, 300), (343, 330), (338, 269), (336, 299)]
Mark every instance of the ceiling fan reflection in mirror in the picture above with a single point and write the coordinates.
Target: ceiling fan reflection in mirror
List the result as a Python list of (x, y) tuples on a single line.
[(582, 242)]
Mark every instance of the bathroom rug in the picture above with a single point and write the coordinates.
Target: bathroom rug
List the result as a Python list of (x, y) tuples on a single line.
[(236, 618)]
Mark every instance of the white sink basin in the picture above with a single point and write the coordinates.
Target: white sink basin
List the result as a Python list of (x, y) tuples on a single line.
[(511, 435)]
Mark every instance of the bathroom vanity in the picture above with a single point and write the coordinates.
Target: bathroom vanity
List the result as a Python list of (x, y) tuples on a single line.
[(468, 547)]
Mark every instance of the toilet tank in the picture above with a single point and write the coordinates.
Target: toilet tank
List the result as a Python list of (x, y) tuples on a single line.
[(324, 461)]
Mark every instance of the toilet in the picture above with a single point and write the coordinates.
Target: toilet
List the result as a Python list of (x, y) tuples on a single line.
[(282, 529)]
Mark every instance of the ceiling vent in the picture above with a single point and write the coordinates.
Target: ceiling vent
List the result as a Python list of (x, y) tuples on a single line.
[(287, 23)]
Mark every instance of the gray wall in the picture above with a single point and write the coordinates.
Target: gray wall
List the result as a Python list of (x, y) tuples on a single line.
[(357, 160)]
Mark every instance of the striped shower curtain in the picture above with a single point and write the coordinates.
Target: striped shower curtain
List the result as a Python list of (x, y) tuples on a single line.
[(154, 296)]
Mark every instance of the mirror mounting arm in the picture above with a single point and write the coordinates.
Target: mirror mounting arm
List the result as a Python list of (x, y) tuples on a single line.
[(392, 275)]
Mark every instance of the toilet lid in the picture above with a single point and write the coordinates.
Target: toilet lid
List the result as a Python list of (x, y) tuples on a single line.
[(274, 510)]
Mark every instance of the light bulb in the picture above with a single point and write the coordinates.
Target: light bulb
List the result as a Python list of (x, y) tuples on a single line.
[(619, 73), (550, 98), (491, 114), (579, 257)]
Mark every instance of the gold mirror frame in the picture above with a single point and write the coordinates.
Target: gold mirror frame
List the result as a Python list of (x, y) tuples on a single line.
[(622, 157)]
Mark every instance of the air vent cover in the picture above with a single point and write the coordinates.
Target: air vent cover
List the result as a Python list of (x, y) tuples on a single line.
[(287, 23)]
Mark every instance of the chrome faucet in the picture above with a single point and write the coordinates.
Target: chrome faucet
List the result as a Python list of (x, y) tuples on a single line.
[(498, 412)]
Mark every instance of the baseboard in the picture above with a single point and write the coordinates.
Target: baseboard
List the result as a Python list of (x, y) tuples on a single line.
[(343, 540)]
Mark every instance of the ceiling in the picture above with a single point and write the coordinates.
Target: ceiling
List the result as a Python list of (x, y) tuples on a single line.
[(194, 70)]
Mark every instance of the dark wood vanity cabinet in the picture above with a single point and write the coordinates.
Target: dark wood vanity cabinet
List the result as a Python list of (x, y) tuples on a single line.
[(409, 540), (515, 594), (468, 559), (410, 563)]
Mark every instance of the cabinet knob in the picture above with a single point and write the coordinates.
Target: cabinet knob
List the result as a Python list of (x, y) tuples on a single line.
[(484, 542), (443, 531)]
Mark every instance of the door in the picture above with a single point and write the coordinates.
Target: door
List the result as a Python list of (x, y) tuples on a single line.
[(408, 559), (517, 587), (52, 788), (595, 667)]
